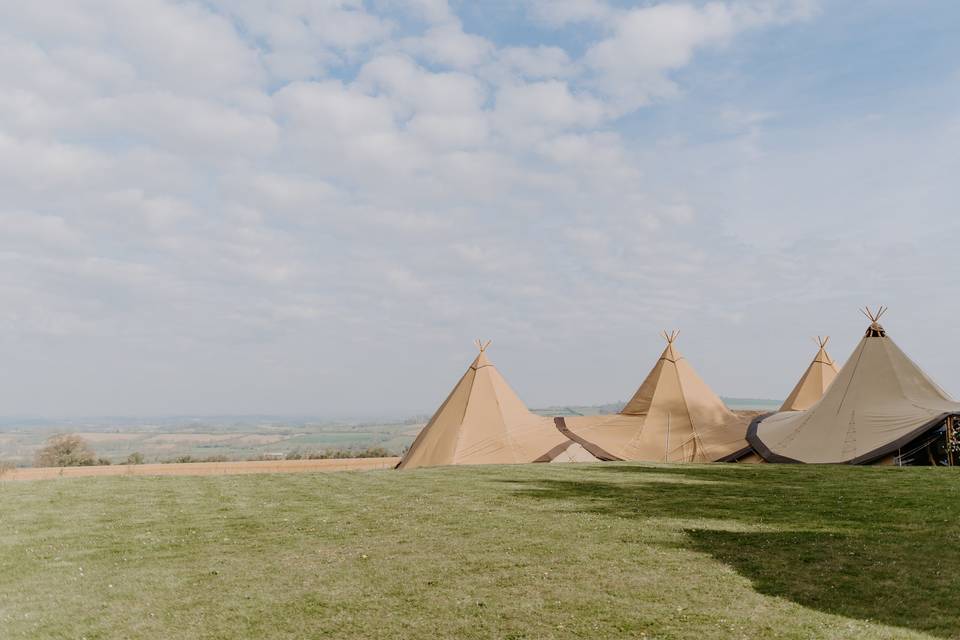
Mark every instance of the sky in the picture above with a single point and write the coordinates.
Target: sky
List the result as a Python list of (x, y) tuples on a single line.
[(316, 206)]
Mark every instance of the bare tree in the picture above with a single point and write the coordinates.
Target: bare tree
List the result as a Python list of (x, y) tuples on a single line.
[(66, 450)]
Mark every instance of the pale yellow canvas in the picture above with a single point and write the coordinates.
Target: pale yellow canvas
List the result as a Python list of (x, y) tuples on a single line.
[(673, 417), (879, 401), (483, 421), (814, 381)]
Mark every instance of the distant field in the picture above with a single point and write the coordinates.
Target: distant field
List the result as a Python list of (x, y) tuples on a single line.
[(242, 438), (531, 551), (237, 441), (201, 468)]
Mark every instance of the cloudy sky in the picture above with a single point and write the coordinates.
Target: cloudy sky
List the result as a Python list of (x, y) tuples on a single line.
[(218, 207)]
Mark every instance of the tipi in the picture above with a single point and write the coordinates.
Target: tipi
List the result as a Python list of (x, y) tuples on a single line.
[(814, 381), (483, 421), (879, 403), (673, 417)]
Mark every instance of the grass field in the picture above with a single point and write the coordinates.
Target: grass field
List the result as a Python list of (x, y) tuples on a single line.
[(535, 551)]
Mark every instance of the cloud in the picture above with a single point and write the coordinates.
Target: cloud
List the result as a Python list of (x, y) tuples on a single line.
[(207, 196), (331, 108), (415, 90), (305, 39), (632, 65), (30, 165), (548, 104), (433, 11), (448, 45), (557, 13), (155, 212), (405, 282), (26, 229), (180, 123), (537, 62)]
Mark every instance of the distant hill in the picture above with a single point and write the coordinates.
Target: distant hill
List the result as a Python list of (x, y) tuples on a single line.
[(752, 403), (755, 404)]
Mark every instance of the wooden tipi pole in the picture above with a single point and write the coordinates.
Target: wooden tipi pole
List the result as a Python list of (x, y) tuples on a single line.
[(951, 443)]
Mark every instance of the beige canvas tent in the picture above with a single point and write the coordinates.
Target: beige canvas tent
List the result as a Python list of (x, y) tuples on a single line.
[(483, 421), (814, 381), (879, 403), (673, 417)]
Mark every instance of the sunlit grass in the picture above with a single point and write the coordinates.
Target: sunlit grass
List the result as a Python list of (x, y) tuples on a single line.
[(537, 551)]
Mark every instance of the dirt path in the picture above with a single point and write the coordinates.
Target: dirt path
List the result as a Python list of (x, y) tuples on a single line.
[(202, 468)]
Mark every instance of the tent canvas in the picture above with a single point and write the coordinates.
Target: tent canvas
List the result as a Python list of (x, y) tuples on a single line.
[(880, 401), (483, 421), (673, 417), (574, 453), (814, 381)]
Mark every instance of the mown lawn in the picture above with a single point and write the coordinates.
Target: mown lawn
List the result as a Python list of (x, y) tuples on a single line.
[(536, 551)]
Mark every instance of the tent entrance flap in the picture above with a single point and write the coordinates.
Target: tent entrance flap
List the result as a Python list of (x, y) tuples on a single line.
[(938, 447)]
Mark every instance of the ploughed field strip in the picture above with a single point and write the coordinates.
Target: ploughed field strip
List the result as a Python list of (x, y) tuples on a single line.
[(608, 550)]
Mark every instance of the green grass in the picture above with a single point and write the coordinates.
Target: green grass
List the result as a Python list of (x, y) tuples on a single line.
[(536, 551)]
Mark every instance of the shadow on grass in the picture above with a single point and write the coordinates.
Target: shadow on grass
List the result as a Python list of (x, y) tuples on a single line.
[(879, 545)]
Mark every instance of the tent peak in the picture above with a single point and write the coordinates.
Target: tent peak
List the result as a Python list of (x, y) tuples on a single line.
[(670, 337), (482, 345), (822, 341), (875, 330)]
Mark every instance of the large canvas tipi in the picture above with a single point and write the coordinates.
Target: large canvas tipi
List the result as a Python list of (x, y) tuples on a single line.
[(879, 402), (673, 417), (483, 421), (814, 381)]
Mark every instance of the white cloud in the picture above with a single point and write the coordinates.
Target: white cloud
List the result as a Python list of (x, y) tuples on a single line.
[(156, 213), (330, 108), (561, 12), (21, 228), (346, 133), (181, 46), (448, 45), (589, 239), (420, 223), (285, 192), (647, 43), (433, 11), (180, 123), (303, 39), (441, 110), (681, 212), (450, 131), (206, 192), (661, 37), (548, 104), (32, 165), (415, 90), (651, 41), (537, 62), (404, 281)]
